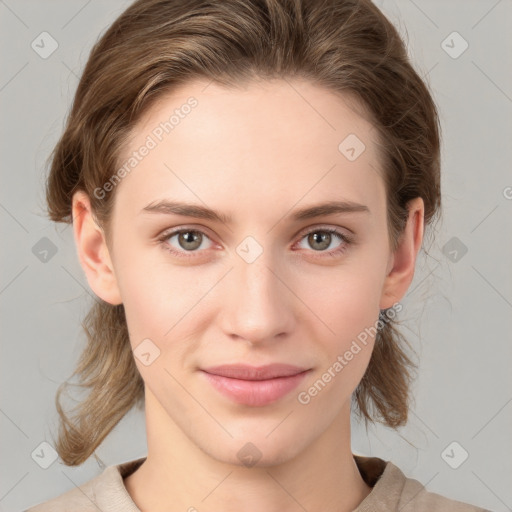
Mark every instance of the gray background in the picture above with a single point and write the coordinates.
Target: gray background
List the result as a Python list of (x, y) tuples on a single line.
[(457, 313)]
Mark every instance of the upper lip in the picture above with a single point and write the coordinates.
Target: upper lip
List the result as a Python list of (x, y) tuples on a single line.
[(245, 372)]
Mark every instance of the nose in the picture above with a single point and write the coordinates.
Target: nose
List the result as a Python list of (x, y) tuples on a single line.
[(258, 305)]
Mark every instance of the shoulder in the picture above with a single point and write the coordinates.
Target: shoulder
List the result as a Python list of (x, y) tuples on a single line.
[(81, 498), (394, 491), (415, 497), (104, 492)]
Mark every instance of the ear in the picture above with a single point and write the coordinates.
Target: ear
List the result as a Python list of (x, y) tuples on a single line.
[(402, 261), (92, 250)]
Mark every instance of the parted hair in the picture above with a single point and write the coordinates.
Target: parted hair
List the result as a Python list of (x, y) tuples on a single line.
[(154, 46)]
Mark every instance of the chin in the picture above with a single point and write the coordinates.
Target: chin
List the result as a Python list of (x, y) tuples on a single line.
[(254, 451)]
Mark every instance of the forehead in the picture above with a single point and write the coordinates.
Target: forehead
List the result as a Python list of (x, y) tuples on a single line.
[(261, 145)]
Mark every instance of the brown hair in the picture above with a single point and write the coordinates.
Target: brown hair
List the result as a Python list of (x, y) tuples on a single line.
[(347, 46)]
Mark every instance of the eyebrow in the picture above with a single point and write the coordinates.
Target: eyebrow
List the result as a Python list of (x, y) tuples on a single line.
[(202, 212)]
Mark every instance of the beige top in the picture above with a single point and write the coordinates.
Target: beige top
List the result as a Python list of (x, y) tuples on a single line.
[(391, 490)]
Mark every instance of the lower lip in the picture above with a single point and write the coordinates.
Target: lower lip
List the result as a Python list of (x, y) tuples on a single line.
[(255, 392)]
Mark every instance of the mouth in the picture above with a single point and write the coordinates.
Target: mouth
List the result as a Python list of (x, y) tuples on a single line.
[(255, 386)]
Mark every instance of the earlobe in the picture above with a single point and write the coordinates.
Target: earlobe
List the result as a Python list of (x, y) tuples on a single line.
[(93, 252), (402, 262)]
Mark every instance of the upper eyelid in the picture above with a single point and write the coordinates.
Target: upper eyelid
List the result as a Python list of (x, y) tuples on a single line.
[(320, 227)]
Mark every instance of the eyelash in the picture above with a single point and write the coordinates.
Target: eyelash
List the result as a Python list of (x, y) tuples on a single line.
[(348, 240)]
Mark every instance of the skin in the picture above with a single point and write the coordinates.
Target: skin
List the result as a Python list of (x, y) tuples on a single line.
[(257, 153)]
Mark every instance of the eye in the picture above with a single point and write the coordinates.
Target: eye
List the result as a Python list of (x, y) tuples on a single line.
[(321, 239), (186, 241)]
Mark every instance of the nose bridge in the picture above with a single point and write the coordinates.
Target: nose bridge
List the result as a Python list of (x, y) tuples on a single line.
[(258, 306)]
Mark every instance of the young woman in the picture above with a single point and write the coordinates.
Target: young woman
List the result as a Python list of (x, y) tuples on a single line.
[(248, 183)]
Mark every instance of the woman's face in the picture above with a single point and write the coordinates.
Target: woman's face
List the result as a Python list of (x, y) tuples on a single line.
[(261, 284)]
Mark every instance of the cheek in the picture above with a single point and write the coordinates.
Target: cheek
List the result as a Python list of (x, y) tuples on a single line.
[(151, 295), (345, 300), (349, 306), (162, 302)]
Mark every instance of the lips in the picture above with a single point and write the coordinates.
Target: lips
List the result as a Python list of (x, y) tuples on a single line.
[(245, 372), (254, 386)]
